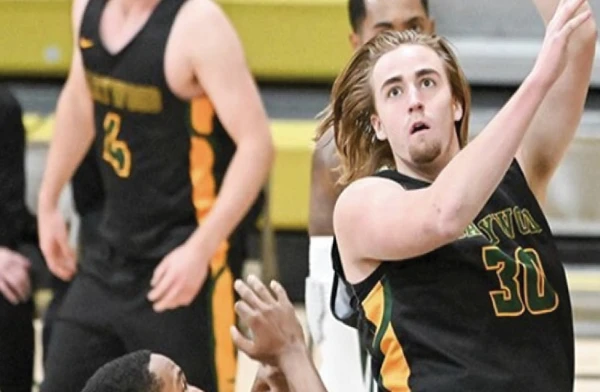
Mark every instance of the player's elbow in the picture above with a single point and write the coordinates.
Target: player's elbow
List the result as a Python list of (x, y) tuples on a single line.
[(449, 230), (260, 146)]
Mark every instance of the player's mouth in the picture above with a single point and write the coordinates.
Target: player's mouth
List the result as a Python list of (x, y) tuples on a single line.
[(418, 126)]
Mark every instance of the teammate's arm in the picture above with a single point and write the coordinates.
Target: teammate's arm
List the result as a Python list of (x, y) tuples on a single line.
[(73, 135), (377, 219), (218, 63), (558, 117), (324, 190), (220, 66)]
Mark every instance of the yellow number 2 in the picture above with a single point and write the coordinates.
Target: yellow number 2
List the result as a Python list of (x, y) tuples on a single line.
[(116, 152)]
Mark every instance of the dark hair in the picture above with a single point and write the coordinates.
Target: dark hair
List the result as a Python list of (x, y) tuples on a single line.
[(358, 12), (128, 373)]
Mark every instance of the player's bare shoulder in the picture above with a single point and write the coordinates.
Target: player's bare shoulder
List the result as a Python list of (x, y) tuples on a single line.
[(187, 33), (77, 11), (202, 23), (200, 26)]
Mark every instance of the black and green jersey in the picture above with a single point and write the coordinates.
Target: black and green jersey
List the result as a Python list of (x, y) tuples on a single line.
[(488, 312)]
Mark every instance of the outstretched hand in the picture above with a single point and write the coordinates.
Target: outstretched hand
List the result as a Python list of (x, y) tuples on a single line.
[(271, 319), (552, 59)]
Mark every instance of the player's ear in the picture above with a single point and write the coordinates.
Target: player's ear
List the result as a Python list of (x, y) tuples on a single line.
[(378, 127)]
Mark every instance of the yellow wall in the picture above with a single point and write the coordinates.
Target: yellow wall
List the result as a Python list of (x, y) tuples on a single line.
[(35, 37), (291, 40)]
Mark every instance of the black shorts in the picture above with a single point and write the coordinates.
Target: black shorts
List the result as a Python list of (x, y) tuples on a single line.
[(16, 328), (16, 346), (105, 314)]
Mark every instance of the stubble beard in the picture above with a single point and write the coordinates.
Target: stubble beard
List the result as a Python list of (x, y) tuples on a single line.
[(424, 151)]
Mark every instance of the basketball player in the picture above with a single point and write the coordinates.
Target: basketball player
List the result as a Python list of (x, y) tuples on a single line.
[(146, 80), (455, 278), (139, 371), (341, 365)]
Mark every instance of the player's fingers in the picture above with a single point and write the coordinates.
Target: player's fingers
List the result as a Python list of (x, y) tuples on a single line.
[(574, 23), (8, 293), (280, 293), (18, 280), (159, 272), (247, 294), (21, 260), (169, 301), (241, 342), (246, 313), (162, 287), (56, 266), (260, 289), (565, 11)]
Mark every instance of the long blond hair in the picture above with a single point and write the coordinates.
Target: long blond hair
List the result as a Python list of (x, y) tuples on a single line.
[(352, 103)]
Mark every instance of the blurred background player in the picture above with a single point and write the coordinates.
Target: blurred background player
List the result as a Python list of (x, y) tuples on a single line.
[(156, 267)]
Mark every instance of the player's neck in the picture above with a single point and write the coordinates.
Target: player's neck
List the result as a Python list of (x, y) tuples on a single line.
[(427, 172)]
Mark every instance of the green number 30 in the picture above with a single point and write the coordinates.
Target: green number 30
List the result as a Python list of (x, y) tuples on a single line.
[(525, 269)]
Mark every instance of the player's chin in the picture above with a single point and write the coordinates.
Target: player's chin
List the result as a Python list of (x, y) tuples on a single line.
[(424, 152)]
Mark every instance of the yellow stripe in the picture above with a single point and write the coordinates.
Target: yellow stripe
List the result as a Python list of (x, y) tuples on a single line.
[(373, 306), (394, 370), (223, 317), (204, 186), (203, 114), (202, 159)]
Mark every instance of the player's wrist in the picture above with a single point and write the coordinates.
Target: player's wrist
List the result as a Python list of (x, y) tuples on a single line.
[(295, 353), (539, 80), (47, 200), (299, 370), (204, 243)]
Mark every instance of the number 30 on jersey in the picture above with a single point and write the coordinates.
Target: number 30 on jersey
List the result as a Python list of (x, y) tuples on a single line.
[(525, 269)]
